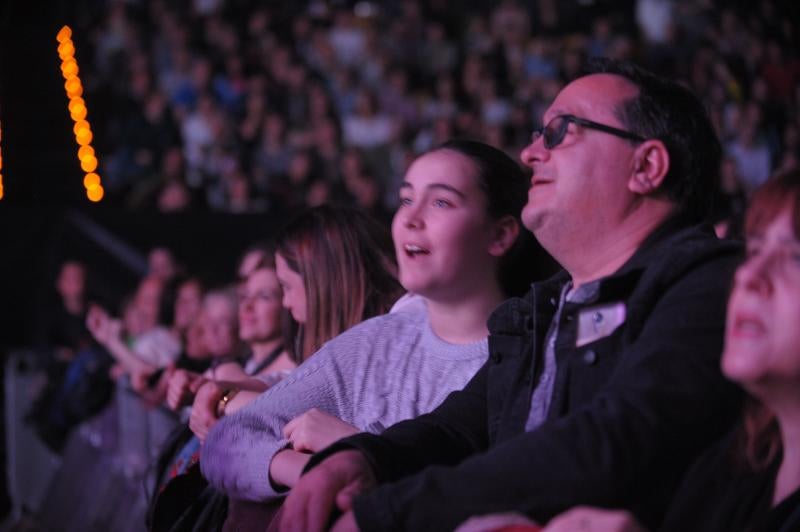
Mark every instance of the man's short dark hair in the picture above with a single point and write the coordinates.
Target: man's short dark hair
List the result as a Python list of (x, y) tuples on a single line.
[(671, 113)]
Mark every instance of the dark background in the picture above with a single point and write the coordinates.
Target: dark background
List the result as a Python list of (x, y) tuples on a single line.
[(44, 193)]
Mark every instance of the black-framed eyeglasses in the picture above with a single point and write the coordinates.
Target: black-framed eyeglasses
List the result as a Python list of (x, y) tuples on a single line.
[(556, 129)]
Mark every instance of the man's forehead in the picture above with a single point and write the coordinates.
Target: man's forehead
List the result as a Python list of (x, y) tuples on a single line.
[(594, 96)]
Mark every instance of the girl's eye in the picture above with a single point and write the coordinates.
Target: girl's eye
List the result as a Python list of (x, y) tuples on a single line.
[(405, 201), (442, 203)]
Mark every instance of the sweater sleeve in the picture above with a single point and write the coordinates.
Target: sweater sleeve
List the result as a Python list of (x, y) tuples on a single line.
[(236, 455)]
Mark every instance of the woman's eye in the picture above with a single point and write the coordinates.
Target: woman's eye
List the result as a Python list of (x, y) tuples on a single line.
[(405, 201), (442, 203)]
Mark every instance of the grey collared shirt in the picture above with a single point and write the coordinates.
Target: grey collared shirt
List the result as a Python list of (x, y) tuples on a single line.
[(543, 392)]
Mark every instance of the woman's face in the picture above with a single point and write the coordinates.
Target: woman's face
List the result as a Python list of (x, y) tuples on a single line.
[(260, 307), (187, 304), (294, 291), (196, 347), (220, 326), (762, 337), (442, 233)]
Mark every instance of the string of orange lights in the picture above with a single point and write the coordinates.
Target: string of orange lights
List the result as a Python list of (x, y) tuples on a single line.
[(1, 162), (78, 111)]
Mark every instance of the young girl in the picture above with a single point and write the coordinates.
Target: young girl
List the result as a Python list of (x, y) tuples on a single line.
[(456, 227)]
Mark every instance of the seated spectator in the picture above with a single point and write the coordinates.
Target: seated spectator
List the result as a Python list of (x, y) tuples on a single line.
[(591, 391), (356, 281), (358, 269), (187, 325), (750, 479), (455, 231), (150, 345)]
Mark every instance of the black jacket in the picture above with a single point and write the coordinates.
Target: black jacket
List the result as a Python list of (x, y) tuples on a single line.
[(629, 411)]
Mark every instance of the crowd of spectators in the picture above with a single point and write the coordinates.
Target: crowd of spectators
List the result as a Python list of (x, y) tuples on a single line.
[(240, 107), (243, 106)]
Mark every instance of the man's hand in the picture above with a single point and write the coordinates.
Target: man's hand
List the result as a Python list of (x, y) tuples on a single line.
[(346, 523), (204, 409), (315, 430), (586, 518), (331, 485)]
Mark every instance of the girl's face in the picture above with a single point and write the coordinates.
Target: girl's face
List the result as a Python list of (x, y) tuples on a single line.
[(294, 291), (260, 307), (445, 241), (219, 327), (762, 337)]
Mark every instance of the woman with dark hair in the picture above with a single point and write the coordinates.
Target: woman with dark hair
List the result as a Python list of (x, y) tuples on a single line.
[(458, 218)]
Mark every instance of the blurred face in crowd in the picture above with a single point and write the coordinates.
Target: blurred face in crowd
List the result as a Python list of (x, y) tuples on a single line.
[(580, 185), (188, 303), (249, 262), (762, 337), (442, 232), (161, 263), (147, 300), (260, 307), (196, 347), (220, 325), (71, 280), (294, 291)]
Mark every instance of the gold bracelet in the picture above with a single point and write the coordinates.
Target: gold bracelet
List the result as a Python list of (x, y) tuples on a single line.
[(226, 398)]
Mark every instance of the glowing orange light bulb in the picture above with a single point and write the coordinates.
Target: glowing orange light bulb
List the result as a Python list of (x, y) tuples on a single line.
[(64, 33), (75, 102), (73, 87), (84, 152), (69, 68), (89, 164), (81, 124), (95, 193), (83, 137), (91, 180), (66, 50), (78, 114)]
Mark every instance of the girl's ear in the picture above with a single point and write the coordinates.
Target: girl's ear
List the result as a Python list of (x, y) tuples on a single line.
[(506, 231)]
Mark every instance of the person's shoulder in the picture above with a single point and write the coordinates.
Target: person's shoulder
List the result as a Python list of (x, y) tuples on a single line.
[(695, 248)]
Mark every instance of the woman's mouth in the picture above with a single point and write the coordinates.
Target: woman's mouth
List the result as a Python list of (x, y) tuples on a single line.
[(413, 250)]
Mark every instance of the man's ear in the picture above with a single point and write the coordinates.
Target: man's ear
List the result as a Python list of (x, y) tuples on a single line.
[(506, 231), (651, 164)]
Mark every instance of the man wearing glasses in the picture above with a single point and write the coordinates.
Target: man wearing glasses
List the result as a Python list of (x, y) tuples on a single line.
[(603, 382)]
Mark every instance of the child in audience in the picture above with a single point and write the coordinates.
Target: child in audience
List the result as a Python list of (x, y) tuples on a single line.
[(457, 226)]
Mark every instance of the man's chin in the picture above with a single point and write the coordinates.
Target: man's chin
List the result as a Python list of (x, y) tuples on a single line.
[(533, 218)]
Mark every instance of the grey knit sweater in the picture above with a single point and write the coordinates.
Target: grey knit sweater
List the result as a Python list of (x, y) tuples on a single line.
[(382, 371)]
